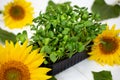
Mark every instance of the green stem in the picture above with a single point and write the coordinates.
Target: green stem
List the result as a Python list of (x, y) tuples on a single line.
[(87, 42)]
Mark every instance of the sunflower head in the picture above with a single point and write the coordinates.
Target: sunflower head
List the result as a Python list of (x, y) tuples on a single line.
[(17, 15), (17, 12), (106, 47), (18, 62)]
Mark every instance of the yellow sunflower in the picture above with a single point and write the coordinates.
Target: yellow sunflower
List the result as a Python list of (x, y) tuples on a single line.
[(18, 62), (18, 14), (106, 47)]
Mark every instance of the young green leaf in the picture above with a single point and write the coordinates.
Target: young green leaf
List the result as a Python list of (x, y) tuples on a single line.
[(102, 75), (53, 57), (65, 31), (46, 49), (80, 47)]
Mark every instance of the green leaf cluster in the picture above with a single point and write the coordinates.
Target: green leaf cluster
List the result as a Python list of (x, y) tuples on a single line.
[(104, 10), (102, 75), (63, 30), (22, 37)]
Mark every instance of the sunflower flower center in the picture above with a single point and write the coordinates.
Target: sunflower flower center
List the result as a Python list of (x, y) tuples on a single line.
[(14, 70), (108, 45), (17, 12), (13, 74)]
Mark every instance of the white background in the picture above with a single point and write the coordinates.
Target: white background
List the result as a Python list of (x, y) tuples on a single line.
[(82, 70)]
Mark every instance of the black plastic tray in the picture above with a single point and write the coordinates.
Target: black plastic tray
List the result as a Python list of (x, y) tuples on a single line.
[(64, 64)]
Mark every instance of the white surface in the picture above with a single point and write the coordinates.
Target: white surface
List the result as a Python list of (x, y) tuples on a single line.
[(82, 70)]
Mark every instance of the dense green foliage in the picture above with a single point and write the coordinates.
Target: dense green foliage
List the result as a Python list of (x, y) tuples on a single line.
[(63, 30)]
